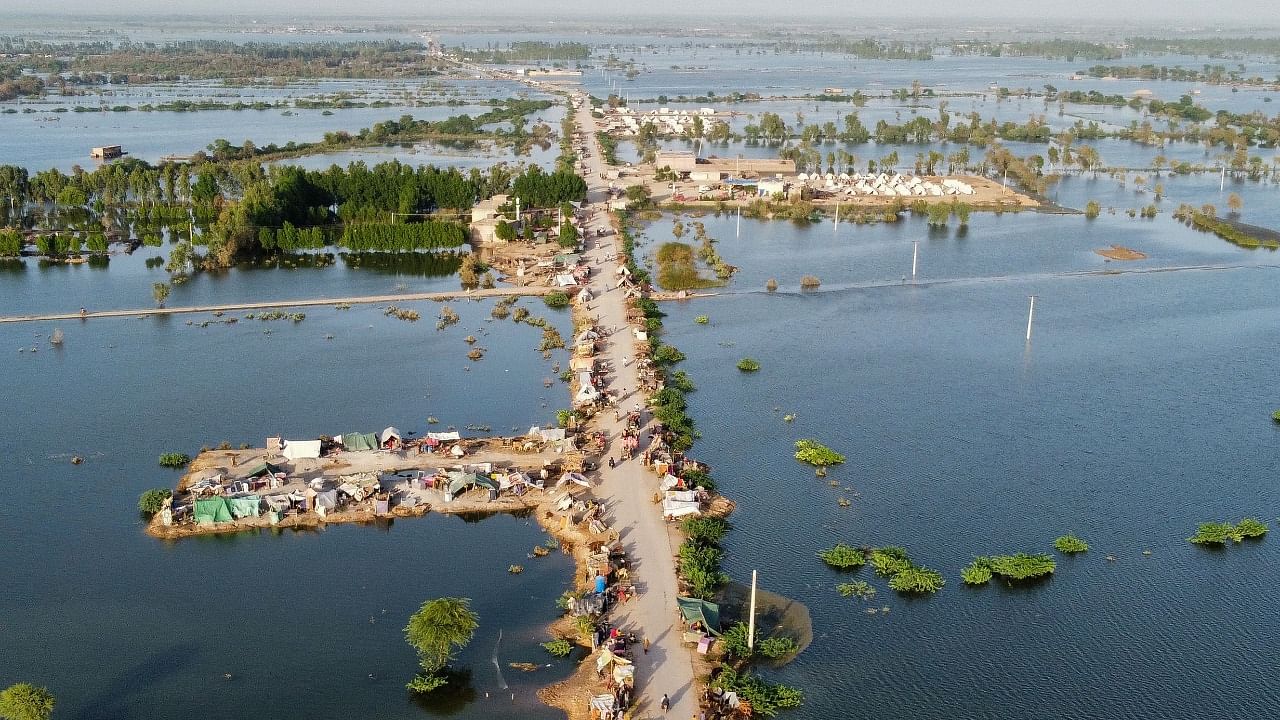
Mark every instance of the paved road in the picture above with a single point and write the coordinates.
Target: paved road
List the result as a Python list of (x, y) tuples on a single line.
[(628, 489), (356, 300)]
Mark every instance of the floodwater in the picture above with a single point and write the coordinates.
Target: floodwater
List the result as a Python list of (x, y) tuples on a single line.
[(1136, 411), (1140, 408), (308, 624)]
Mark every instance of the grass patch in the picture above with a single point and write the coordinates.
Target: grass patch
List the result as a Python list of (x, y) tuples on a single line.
[(174, 460), (844, 557), (748, 365)]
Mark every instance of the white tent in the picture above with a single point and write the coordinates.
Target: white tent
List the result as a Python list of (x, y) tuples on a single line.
[(586, 394), (444, 436), (295, 449), (387, 434), (677, 508)]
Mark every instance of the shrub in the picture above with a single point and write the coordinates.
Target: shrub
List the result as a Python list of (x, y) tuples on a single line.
[(1213, 533), (1021, 566), (1091, 209), (748, 365), (1251, 528), (706, 530), (1070, 544), (702, 319), (777, 647), (174, 460), (558, 647), (917, 580), (815, 453), (809, 282), (765, 698), (771, 285), (859, 588), (976, 573), (844, 557), (151, 501), (556, 300), (1275, 416), (667, 355), (889, 561)]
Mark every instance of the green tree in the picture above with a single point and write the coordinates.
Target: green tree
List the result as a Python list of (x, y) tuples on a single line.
[(24, 701), (1234, 203), (160, 291), (436, 631)]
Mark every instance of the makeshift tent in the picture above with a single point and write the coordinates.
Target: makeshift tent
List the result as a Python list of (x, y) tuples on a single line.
[(459, 482), (586, 394), (607, 658), (565, 281), (242, 507), (679, 508), (547, 435), (388, 435), (444, 436), (295, 449), (356, 442), (604, 704), (212, 510), (265, 468), (579, 364), (696, 610), (576, 478), (327, 499)]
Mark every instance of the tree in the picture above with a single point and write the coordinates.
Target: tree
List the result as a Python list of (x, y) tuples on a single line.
[(24, 701), (1234, 203), (440, 627), (160, 291)]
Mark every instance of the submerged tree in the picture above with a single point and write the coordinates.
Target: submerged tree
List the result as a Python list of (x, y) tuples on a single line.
[(24, 701), (440, 627)]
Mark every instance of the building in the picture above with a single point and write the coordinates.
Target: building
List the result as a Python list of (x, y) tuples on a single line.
[(711, 169), (106, 152)]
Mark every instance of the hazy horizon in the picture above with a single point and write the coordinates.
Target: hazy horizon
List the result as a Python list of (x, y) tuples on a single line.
[(1155, 12)]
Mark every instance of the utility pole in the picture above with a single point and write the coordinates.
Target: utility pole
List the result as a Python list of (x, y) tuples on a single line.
[(915, 256), (836, 224), (751, 617), (738, 232), (1031, 313)]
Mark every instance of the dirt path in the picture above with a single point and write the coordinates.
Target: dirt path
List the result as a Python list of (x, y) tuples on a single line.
[(627, 490), (355, 300)]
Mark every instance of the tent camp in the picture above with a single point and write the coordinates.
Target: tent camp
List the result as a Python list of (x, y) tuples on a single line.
[(444, 436), (586, 394), (355, 442), (295, 449), (696, 610)]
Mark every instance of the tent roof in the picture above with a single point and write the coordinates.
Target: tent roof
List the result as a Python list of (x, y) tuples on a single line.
[(265, 467), (360, 441), (695, 609), (390, 432), (294, 449)]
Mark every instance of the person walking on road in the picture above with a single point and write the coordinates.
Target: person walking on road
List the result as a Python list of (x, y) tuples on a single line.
[(666, 703)]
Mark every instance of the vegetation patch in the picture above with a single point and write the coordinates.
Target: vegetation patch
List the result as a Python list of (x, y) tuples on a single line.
[(436, 631), (1220, 533), (556, 300), (748, 365), (1070, 544), (860, 589), (174, 460), (1019, 566), (677, 269), (558, 647), (151, 501), (975, 573), (917, 580), (765, 698), (817, 454), (844, 557)]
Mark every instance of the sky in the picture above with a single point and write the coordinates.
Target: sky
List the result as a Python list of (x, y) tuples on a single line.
[(1157, 11)]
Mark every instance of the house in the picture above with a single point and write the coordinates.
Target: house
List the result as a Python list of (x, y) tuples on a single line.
[(769, 188), (106, 152)]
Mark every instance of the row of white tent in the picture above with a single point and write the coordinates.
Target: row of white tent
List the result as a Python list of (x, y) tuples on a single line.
[(886, 185)]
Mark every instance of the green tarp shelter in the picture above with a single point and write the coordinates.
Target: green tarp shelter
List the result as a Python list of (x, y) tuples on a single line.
[(242, 507), (696, 610), (459, 482), (212, 510), (360, 441), (264, 469)]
